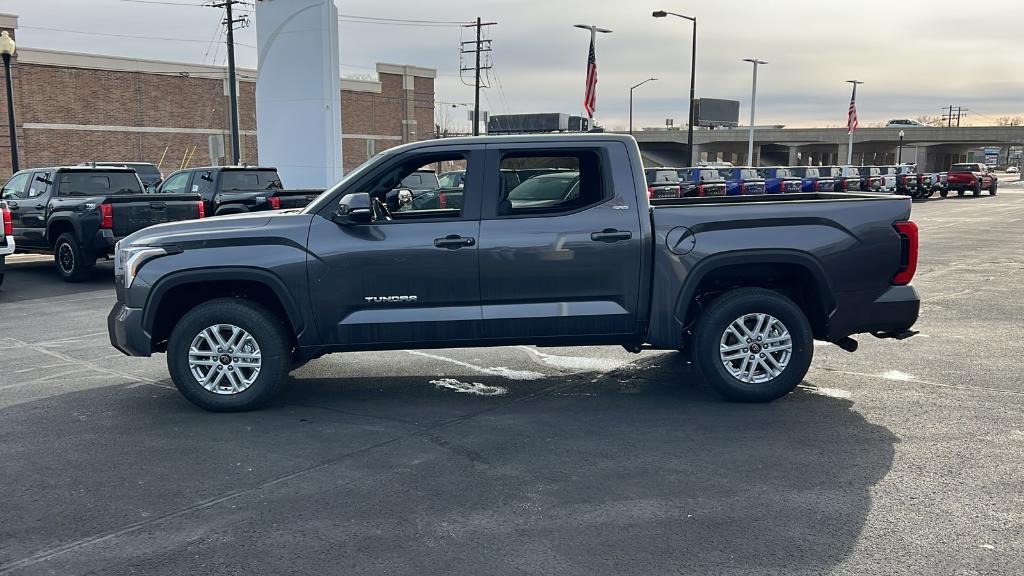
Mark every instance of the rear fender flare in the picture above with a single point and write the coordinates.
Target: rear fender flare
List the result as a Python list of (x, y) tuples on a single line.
[(768, 256), (60, 221)]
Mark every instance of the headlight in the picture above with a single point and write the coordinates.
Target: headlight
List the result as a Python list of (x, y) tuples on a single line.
[(128, 260)]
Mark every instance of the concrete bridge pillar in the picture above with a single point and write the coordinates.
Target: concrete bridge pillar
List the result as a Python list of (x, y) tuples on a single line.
[(843, 151), (696, 154), (793, 156)]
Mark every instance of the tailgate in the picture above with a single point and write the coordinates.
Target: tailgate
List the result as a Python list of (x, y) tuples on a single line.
[(135, 212), (297, 198)]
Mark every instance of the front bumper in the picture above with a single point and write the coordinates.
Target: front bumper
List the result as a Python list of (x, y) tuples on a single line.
[(127, 334), (890, 314)]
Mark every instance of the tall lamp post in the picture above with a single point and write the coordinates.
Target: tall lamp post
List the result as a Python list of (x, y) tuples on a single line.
[(753, 102), (7, 47), (899, 151), (631, 88), (693, 74)]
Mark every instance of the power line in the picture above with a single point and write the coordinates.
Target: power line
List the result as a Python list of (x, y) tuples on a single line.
[(407, 20), (162, 3), (197, 40)]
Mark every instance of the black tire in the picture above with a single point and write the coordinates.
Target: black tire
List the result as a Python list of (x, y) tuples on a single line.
[(960, 193), (717, 318), (74, 263), (943, 193), (976, 190), (265, 328), (992, 189)]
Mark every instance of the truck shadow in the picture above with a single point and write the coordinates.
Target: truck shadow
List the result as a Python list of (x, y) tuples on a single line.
[(642, 467), (34, 280)]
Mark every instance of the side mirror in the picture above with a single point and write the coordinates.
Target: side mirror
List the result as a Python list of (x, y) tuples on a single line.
[(353, 209)]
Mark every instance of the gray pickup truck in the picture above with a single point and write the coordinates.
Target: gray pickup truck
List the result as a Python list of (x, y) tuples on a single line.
[(741, 284)]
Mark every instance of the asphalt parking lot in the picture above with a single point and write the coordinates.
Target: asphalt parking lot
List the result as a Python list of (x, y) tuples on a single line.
[(903, 458)]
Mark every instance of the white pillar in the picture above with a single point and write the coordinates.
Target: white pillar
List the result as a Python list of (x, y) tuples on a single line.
[(298, 91)]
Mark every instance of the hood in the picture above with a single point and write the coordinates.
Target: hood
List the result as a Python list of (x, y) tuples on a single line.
[(247, 225)]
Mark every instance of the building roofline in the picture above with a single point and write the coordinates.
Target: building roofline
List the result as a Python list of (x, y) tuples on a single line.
[(51, 57)]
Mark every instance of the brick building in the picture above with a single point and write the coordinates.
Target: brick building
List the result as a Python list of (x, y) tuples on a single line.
[(73, 107)]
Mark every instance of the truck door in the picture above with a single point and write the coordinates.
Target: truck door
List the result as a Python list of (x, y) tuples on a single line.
[(14, 192), (561, 250), (411, 275), (30, 219)]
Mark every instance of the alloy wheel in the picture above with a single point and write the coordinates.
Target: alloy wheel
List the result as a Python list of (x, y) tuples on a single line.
[(756, 348), (224, 359)]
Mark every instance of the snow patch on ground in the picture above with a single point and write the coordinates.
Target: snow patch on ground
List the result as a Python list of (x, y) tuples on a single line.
[(499, 371), (830, 392), (897, 376), (475, 388), (578, 363)]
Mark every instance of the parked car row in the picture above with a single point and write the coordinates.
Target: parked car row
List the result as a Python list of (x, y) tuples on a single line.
[(903, 179), (78, 213)]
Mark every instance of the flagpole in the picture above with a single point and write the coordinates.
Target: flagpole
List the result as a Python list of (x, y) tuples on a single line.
[(849, 128), (593, 42)]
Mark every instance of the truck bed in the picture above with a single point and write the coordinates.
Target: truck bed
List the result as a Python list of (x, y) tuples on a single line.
[(847, 240)]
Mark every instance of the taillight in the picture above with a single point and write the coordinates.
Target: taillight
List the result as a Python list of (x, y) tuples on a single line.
[(275, 202), (908, 252), (679, 191), (650, 192), (442, 200), (743, 188), (700, 190), (106, 216), (817, 185), (8, 223), (202, 209)]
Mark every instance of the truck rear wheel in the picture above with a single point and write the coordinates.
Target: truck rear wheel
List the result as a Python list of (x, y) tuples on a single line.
[(993, 187), (977, 188), (753, 345), (74, 263), (229, 355)]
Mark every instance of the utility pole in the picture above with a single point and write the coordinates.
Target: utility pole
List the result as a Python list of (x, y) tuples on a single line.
[(230, 22), (478, 47), (753, 102), (954, 112)]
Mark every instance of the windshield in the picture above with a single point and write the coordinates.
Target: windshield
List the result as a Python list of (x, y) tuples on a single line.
[(552, 188), (97, 183), (451, 180), (656, 176), (421, 181), (249, 180)]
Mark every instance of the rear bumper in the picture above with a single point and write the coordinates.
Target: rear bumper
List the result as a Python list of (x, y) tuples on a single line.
[(7, 248), (102, 242), (124, 326), (890, 314)]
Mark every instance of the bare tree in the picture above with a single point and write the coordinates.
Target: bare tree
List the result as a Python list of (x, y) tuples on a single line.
[(930, 120), (1010, 121)]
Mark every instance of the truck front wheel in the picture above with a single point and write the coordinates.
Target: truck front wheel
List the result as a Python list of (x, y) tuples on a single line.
[(753, 345), (74, 263), (228, 355)]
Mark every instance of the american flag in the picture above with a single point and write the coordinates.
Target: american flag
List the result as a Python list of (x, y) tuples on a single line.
[(851, 120), (590, 96)]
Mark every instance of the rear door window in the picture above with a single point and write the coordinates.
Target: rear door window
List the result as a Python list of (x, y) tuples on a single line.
[(175, 184), (98, 183), (575, 183)]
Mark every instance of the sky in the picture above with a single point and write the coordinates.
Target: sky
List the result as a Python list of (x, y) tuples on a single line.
[(905, 51)]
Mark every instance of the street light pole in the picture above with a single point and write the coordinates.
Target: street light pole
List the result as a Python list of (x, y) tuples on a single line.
[(853, 104), (631, 88), (753, 102), (693, 75), (899, 153), (7, 47)]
